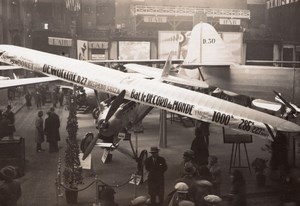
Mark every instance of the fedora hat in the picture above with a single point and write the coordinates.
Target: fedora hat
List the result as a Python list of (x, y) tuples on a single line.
[(8, 172), (154, 150)]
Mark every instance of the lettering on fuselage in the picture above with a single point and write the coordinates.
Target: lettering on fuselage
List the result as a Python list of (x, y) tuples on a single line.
[(162, 102), (71, 76), (22, 63)]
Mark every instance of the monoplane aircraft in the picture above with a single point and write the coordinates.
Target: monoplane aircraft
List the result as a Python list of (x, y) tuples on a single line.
[(136, 89)]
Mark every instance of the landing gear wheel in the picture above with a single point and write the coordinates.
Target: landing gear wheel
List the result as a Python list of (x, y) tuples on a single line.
[(95, 113)]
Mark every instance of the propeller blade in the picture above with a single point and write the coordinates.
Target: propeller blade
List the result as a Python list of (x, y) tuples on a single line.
[(115, 105), (90, 147), (286, 102), (86, 141)]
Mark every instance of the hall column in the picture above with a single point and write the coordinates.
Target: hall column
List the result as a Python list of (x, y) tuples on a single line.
[(163, 129)]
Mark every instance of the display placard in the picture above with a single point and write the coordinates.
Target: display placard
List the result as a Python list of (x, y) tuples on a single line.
[(135, 179), (87, 163)]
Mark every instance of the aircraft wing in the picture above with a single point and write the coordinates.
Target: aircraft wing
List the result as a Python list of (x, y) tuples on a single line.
[(25, 81), (9, 67), (157, 74), (142, 61), (148, 92)]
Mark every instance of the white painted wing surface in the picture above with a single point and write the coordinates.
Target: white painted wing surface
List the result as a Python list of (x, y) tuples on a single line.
[(25, 81), (157, 94)]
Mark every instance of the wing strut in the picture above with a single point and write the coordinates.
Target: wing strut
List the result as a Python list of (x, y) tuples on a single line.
[(286, 103), (270, 131)]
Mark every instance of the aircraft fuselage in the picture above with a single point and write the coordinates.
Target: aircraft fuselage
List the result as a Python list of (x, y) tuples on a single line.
[(256, 81)]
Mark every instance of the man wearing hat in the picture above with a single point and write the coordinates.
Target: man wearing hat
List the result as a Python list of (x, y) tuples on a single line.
[(156, 166), (188, 158), (10, 190)]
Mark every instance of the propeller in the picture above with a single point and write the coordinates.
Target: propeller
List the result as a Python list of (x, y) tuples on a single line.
[(89, 145), (91, 141), (286, 103), (113, 108)]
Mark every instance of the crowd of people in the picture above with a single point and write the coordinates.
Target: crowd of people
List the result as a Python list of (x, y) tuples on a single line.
[(197, 185), (39, 94), (199, 178)]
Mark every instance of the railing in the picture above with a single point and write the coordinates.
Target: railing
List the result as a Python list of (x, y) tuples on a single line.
[(276, 3), (188, 11)]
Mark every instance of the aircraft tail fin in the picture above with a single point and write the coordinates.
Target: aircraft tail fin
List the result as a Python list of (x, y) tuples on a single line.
[(206, 47), (167, 67)]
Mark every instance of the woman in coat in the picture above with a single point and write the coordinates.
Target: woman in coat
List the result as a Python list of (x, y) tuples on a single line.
[(39, 131)]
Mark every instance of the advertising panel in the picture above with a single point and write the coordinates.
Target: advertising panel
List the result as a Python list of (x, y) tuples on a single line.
[(82, 50), (173, 41), (134, 50)]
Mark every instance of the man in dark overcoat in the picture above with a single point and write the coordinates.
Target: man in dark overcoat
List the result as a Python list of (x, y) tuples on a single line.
[(10, 116), (156, 166), (3, 125), (200, 148), (52, 124)]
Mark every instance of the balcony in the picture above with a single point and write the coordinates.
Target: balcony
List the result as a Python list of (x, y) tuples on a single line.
[(137, 10)]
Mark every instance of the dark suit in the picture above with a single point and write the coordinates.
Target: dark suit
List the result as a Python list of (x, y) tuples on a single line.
[(52, 124), (156, 184)]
